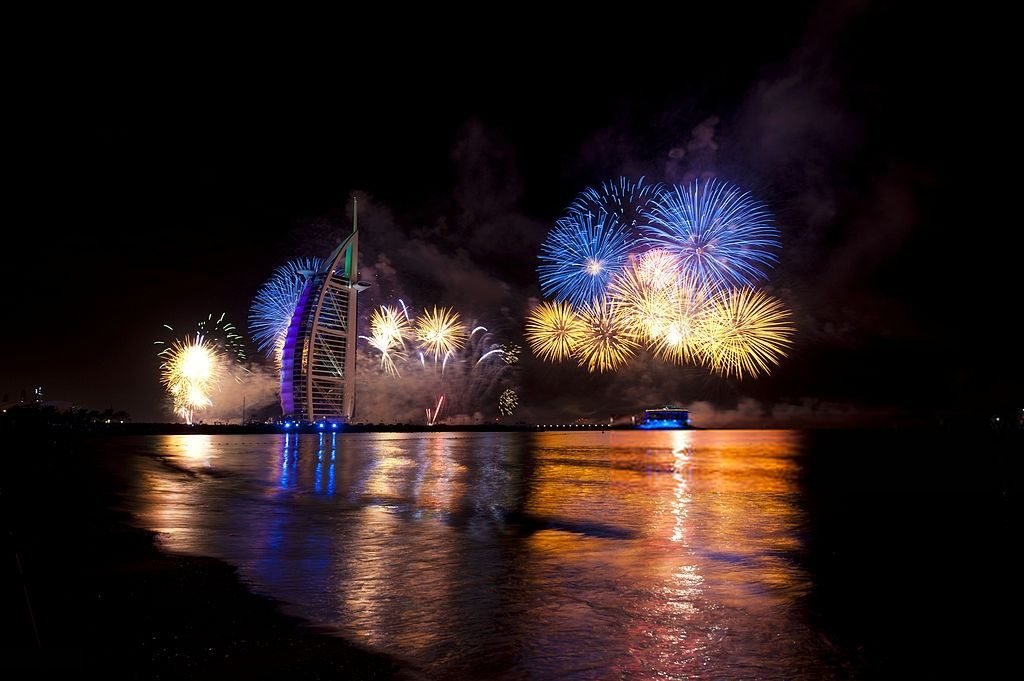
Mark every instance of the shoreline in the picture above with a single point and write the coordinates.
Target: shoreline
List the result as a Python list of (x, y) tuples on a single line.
[(87, 591), (270, 429)]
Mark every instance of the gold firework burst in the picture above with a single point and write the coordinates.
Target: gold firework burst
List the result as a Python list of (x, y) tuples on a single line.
[(190, 371), (553, 330), (440, 331), (608, 340), (744, 332)]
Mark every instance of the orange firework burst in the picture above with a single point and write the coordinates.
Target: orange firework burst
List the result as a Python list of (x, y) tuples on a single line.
[(553, 330), (744, 332)]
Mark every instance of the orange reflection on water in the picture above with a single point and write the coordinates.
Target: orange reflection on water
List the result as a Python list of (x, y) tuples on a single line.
[(398, 551), (442, 478), (192, 449), (710, 513), (625, 554), (169, 491)]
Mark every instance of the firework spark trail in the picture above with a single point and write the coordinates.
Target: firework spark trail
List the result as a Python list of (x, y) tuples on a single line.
[(440, 331), (553, 330), (488, 354), (628, 201), (719, 233), (744, 332), (474, 375), (581, 255), (223, 334), (271, 311), (432, 414), (387, 357), (608, 341)]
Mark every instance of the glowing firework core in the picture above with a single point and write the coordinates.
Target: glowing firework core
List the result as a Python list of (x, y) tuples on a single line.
[(196, 363), (190, 371)]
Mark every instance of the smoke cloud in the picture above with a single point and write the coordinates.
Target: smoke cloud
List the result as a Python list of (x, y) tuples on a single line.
[(695, 159), (807, 413), (254, 389)]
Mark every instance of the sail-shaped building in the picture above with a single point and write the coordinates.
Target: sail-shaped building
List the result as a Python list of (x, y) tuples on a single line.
[(318, 362)]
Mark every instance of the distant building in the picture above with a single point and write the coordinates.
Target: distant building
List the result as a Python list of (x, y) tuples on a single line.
[(318, 364)]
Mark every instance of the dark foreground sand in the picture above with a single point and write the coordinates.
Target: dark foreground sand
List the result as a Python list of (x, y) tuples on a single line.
[(83, 591)]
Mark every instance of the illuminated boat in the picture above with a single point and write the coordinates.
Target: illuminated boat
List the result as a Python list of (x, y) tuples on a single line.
[(665, 418)]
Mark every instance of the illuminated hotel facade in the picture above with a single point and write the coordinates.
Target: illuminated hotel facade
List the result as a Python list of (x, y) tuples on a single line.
[(318, 363)]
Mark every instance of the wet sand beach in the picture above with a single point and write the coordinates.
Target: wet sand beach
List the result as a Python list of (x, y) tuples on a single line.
[(86, 592)]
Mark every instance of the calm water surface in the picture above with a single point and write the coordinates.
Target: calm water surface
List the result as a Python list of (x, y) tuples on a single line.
[(513, 555)]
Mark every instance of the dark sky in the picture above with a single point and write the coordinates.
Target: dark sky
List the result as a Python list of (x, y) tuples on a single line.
[(158, 185)]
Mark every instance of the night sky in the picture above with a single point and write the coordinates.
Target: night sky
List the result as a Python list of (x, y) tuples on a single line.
[(157, 189)]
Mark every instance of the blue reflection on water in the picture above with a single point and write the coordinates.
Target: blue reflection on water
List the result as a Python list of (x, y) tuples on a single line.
[(318, 478), (289, 460), (330, 469)]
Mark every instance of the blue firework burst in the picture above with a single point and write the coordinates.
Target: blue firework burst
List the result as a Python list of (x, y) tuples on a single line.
[(624, 198), (720, 233), (581, 255), (272, 308)]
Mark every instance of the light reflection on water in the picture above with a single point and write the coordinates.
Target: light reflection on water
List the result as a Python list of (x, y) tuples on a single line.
[(631, 554)]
